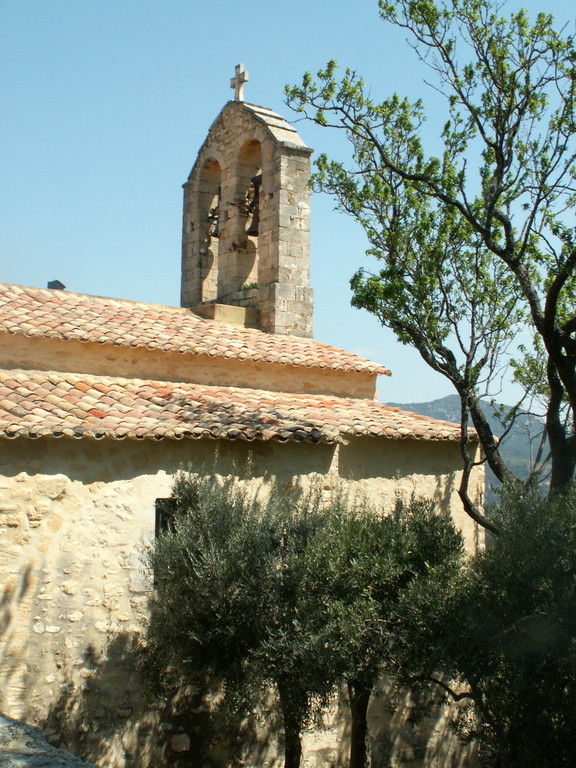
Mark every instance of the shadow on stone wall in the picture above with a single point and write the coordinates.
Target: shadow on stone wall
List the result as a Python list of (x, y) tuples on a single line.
[(13, 647), (110, 721), (416, 730), (13, 594)]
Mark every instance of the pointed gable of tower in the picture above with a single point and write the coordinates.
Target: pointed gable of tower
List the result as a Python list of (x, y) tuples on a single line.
[(246, 223)]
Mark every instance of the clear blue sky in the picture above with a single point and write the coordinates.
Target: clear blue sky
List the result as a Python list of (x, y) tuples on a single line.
[(104, 105)]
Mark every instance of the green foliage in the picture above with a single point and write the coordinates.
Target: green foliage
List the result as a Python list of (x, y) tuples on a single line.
[(299, 592), (507, 630), (194, 614), (357, 571), (227, 581), (229, 598), (524, 591), (471, 244)]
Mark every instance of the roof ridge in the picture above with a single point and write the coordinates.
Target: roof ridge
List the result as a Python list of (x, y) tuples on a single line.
[(58, 314), (56, 292)]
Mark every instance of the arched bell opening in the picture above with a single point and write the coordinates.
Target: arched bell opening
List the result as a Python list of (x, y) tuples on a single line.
[(209, 223), (246, 211)]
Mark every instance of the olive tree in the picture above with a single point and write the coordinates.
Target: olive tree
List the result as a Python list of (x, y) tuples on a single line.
[(357, 572), (229, 601)]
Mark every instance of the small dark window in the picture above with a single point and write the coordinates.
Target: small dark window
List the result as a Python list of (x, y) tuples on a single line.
[(165, 511)]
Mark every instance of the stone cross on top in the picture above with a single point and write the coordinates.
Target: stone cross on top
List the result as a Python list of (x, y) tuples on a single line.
[(237, 82)]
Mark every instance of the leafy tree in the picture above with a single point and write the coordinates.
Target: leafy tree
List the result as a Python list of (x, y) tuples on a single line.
[(229, 602), (474, 243), (356, 573), (507, 630)]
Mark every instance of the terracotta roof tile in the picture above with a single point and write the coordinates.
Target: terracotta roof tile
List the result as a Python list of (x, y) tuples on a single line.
[(39, 404), (73, 316)]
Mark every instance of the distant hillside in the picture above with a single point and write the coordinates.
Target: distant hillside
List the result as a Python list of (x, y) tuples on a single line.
[(516, 446)]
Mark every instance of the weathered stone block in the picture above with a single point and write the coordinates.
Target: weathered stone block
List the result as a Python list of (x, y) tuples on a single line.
[(53, 487)]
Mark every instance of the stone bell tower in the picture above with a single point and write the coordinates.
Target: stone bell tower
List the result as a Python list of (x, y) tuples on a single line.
[(246, 224)]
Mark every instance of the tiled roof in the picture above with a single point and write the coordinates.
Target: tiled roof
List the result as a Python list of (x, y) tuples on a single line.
[(275, 123), (40, 404), (65, 315)]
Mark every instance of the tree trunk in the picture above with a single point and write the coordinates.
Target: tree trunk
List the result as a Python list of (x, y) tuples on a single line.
[(292, 745), (292, 727), (487, 439), (563, 466), (562, 444), (359, 696)]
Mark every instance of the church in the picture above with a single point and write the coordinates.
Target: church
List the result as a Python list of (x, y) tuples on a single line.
[(103, 400)]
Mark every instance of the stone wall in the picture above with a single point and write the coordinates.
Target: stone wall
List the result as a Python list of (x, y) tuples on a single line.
[(74, 519)]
